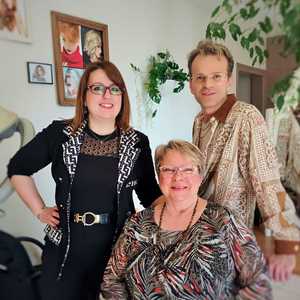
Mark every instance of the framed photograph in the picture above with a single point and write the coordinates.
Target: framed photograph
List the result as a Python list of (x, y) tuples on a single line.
[(15, 20), (77, 43), (39, 73)]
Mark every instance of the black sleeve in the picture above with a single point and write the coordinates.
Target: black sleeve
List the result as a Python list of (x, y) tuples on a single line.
[(36, 154), (147, 188)]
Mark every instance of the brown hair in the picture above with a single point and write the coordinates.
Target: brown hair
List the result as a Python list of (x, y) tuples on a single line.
[(113, 73), (185, 148), (208, 47)]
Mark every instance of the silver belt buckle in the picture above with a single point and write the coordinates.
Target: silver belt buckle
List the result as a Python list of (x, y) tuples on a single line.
[(82, 218)]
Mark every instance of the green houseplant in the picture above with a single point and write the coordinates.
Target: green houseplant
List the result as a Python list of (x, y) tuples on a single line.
[(161, 68), (249, 23)]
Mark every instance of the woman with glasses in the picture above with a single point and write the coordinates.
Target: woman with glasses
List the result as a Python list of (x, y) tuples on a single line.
[(97, 161), (185, 247)]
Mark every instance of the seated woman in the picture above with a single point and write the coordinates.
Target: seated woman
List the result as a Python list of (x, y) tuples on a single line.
[(184, 247)]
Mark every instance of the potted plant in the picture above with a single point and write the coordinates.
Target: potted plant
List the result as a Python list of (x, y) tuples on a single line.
[(162, 68)]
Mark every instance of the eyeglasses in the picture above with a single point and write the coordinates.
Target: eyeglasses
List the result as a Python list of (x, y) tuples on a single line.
[(100, 89), (170, 171), (215, 77)]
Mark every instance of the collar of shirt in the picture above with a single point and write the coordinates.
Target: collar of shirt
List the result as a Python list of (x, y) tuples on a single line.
[(222, 112)]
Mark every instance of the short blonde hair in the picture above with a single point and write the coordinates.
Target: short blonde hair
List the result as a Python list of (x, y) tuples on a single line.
[(92, 40), (185, 148), (208, 47)]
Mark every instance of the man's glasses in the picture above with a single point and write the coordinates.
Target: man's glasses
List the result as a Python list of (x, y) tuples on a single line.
[(170, 171), (215, 77), (100, 89)]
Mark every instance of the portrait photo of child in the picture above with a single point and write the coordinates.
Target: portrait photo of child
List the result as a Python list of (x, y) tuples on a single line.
[(71, 81), (70, 43)]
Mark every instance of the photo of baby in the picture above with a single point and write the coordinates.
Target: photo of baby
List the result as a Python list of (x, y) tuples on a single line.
[(71, 81), (70, 42), (92, 41)]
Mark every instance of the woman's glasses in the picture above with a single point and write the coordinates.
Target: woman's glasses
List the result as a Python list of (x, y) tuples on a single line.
[(100, 89), (170, 171)]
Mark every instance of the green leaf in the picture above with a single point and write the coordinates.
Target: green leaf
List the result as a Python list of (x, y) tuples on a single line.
[(261, 41), (280, 102), (220, 31), (252, 12), (282, 85), (225, 2), (252, 35), (260, 54), (243, 42), (208, 31), (161, 55), (284, 6), (228, 8), (251, 52), (254, 61), (215, 11), (232, 18), (263, 27), (268, 24), (135, 68), (258, 51), (235, 31), (154, 113), (244, 13)]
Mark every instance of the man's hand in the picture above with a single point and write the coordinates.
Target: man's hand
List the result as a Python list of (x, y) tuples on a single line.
[(281, 266)]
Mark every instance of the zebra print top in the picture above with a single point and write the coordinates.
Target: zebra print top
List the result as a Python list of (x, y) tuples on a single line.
[(218, 259)]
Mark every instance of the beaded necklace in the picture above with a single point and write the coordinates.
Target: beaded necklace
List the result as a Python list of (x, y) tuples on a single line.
[(169, 252)]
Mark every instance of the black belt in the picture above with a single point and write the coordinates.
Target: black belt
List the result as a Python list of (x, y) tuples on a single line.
[(89, 218)]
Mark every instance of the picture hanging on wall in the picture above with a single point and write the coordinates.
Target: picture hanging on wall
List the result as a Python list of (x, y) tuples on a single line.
[(77, 43), (14, 20), (39, 73)]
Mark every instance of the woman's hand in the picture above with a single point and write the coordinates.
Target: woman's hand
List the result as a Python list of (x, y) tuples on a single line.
[(49, 215)]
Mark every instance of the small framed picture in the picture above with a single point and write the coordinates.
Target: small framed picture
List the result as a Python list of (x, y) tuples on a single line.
[(39, 73), (15, 22)]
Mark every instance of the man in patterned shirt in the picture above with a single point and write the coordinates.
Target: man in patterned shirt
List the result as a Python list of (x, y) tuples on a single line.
[(241, 168)]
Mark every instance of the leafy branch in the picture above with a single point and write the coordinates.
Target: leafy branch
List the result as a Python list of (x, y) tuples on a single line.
[(231, 16)]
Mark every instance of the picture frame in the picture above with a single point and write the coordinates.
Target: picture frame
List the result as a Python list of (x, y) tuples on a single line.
[(77, 42), (40, 73), (15, 22)]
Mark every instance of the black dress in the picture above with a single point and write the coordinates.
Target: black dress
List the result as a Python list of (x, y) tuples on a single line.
[(93, 190)]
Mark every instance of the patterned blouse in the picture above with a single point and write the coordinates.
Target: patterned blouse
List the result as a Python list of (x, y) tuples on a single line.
[(217, 259)]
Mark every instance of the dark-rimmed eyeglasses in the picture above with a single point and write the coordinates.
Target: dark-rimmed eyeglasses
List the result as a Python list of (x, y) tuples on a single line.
[(100, 89)]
